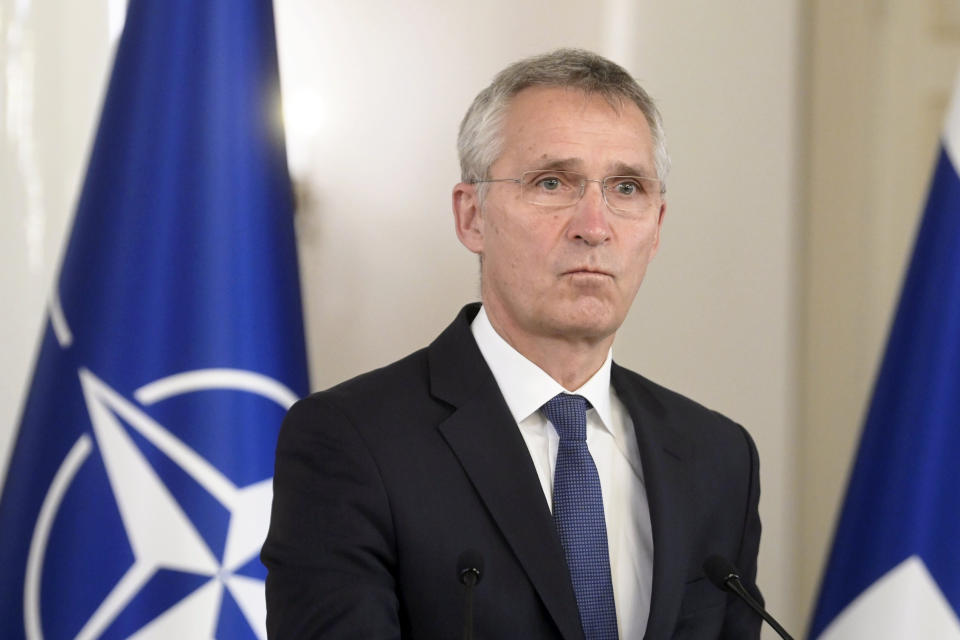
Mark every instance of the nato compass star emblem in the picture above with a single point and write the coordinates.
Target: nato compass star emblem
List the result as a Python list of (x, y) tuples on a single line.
[(161, 534)]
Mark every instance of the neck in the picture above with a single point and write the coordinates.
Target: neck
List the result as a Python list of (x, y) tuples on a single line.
[(571, 361)]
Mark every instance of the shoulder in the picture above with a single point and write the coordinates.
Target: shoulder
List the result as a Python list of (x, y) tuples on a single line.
[(699, 427), (397, 379), (418, 390), (395, 390)]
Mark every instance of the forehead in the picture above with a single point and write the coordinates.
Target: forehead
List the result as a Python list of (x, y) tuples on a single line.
[(583, 130)]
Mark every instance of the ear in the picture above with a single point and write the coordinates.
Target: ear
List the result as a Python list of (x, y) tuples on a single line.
[(467, 218), (660, 216)]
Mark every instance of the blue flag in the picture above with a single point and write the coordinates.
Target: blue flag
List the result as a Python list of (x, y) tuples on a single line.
[(139, 488), (894, 571)]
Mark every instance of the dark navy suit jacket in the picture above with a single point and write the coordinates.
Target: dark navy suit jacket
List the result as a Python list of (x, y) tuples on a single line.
[(383, 481)]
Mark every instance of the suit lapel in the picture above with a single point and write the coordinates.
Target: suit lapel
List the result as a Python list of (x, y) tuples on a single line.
[(662, 453), (484, 437)]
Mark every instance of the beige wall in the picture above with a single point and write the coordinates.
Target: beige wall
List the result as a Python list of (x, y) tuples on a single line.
[(49, 102), (716, 318), (880, 75), (740, 310)]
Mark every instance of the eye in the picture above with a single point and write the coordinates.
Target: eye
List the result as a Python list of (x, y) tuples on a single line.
[(550, 184), (551, 187), (626, 186)]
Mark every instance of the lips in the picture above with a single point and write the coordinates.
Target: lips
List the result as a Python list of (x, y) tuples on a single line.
[(587, 271)]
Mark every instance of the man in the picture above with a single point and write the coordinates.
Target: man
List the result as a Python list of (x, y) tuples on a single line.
[(592, 495)]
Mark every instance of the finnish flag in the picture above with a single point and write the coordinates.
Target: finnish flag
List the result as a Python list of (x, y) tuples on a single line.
[(894, 571), (139, 489)]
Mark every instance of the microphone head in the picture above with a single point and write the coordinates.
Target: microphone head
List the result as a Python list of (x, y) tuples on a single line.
[(720, 571), (470, 566)]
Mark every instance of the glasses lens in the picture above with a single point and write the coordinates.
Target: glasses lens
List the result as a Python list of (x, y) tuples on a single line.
[(631, 194), (551, 188), (628, 195)]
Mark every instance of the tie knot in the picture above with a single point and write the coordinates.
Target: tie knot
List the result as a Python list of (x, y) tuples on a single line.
[(568, 414)]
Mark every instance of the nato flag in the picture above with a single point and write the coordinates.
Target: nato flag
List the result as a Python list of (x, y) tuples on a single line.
[(894, 571), (139, 489)]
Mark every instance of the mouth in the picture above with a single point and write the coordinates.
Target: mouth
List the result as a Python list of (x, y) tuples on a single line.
[(587, 271)]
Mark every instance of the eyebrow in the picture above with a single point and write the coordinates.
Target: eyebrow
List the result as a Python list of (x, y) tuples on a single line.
[(623, 169), (576, 164), (563, 164)]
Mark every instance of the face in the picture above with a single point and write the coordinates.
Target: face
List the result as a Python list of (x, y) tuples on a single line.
[(566, 273)]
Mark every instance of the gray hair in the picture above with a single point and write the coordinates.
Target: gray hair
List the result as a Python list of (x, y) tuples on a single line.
[(480, 141)]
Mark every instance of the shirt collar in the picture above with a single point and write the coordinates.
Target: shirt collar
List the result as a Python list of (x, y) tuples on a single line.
[(525, 386)]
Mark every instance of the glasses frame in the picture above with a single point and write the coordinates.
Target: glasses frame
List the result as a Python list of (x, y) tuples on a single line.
[(583, 189)]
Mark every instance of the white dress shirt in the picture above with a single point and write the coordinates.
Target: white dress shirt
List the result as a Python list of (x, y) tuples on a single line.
[(612, 442)]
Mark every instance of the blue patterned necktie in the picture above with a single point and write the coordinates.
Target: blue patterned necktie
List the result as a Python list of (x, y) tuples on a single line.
[(578, 514)]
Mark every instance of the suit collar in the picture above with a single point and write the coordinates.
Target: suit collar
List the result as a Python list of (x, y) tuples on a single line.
[(663, 452), (526, 387), (483, 435), (456, 366)]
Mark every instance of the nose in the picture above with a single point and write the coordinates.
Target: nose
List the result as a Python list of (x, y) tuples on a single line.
[(589, 222)]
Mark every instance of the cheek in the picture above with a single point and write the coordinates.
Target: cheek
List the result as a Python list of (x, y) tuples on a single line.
[(648, 239), (520, 243), (520, 247), (504, 252), (641, 254)]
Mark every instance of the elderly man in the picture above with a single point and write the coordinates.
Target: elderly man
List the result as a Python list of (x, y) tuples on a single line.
[(591, 495)]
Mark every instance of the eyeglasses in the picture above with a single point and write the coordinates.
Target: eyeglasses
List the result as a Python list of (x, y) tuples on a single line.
[(631, 196)]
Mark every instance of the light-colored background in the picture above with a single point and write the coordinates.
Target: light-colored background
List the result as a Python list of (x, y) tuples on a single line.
[(802, 134)]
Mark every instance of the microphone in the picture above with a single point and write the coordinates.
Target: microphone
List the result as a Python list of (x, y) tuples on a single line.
[(726, 578), (469, 571)]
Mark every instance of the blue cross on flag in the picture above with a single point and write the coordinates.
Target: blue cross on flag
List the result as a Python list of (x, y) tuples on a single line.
[(894, 571), (138, 494)]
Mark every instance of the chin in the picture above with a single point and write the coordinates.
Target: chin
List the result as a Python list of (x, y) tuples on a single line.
[(589, 321)]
